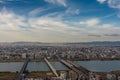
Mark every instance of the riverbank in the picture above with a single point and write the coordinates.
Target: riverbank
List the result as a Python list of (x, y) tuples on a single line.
[(54, 60), (38, 74), (34, 74), (8, 75)]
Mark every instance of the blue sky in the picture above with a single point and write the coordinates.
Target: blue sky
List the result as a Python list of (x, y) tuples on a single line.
[(59, 20)]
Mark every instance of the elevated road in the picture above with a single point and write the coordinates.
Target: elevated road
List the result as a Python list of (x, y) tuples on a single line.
[(80, 71), (80, 68), (50, 66), (70, 66), (21, 73)]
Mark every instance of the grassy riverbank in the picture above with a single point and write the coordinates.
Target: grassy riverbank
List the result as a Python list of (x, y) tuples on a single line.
[(34, 74), (37, 74), (8, 75)]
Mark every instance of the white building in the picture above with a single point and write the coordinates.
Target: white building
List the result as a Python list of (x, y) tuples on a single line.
[(24, 55)]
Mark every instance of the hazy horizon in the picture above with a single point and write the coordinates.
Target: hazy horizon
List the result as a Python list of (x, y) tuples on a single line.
[(56, 42), (59, 20)]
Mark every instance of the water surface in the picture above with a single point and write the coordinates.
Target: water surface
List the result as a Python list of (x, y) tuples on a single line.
[(99, 66)]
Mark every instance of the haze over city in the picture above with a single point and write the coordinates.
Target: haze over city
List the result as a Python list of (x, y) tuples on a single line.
[(59, 20)]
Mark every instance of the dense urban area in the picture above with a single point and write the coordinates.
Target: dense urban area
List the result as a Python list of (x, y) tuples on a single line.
[(51, 51), (17, 52)]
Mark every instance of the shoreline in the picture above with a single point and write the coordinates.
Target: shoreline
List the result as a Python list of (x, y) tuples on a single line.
[(44, 73), (55, 60)]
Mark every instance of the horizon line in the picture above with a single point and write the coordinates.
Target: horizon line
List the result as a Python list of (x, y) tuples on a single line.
[(55, 42)]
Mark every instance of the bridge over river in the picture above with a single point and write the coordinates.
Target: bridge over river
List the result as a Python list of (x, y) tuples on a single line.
[(79, 70)]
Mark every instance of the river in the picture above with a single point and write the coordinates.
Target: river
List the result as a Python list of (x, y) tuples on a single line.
[(99, 66)]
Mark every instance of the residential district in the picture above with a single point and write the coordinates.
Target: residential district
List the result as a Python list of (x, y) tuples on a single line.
[(37, 52), (63, 53)]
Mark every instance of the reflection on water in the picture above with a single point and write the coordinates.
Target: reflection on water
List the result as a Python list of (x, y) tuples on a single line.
[(42, 66)]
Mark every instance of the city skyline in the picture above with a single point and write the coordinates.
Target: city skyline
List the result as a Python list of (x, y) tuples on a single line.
[(59, 20)]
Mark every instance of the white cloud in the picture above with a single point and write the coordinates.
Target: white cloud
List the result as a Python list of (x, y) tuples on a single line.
[(91, 22), (72, 11), (97, 25), (60, 2), (106, 26), (13, 22), (47, 23), (114, 4), (10, 21), (3, 1), (47, 28), (101, 1), (37, 11)]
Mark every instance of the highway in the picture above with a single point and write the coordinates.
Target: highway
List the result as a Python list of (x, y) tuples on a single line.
[(80, 71), (80, 68), (70, 66)]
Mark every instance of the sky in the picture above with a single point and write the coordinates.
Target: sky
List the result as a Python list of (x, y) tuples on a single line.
[(59, 20)]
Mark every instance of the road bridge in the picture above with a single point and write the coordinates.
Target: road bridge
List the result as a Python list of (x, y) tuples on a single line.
[(78, 69), (21, 73), (70, 66), (51, 67)]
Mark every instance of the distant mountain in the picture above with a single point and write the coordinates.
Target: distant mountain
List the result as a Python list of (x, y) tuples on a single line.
[(26, 43), (104, 43), (97, 43)]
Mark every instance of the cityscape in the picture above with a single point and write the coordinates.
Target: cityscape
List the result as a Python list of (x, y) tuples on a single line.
[(59, 40), (36, 51), (31, 54)]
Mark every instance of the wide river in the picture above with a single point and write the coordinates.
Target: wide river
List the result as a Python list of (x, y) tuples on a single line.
[(99, 66)]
